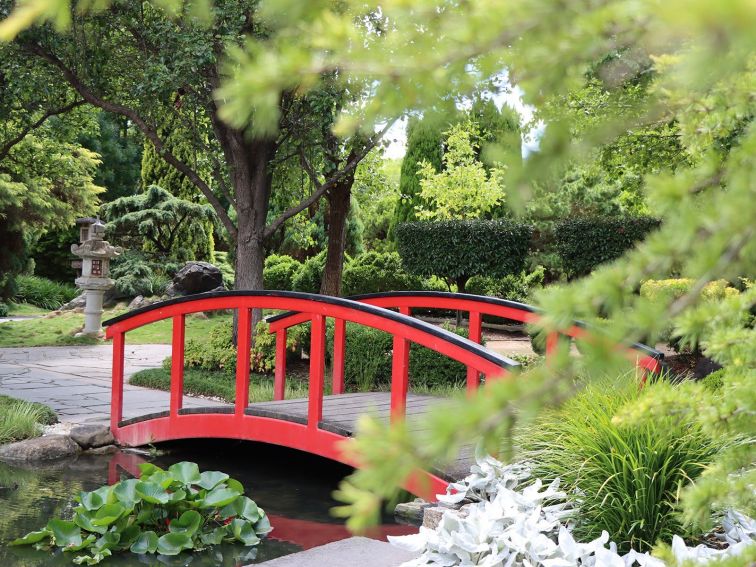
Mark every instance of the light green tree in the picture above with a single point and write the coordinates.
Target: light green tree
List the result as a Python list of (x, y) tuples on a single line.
[(464, 189)]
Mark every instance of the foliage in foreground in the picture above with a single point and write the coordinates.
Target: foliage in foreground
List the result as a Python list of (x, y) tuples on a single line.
[(625, 477), (20, 419), (164, 512)]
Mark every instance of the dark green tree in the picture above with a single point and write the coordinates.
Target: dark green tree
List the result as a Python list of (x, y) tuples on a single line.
[(424, 143)]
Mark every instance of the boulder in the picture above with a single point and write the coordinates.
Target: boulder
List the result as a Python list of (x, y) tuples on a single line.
[(432, 515), (411, 511), (91, 436), (140, 301), (77, 302), (48, 448), (195, 277)]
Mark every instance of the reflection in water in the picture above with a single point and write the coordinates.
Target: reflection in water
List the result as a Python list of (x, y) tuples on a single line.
[(293, 488)]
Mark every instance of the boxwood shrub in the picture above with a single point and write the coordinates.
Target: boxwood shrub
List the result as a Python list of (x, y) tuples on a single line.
[(279, 272), (375, 272), (586, 242), (457, 250)]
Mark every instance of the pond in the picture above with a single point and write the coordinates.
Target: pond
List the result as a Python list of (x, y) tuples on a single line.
[(294, 489)]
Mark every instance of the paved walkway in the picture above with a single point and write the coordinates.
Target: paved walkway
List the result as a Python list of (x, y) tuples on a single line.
[(75, 381)]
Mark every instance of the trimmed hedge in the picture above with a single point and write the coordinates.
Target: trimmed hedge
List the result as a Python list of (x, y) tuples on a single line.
[(279, 272), (374, 272), (586, 242), (457, 250)]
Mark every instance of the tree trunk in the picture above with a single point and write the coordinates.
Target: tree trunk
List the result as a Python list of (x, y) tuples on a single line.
[(339, 202)]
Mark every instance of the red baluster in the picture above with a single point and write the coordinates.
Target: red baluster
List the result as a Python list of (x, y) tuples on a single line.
[(339, 347), (317, 370), (116, 392), (552, 343), (243, 346), (177, 364), (400, 374), (279, 380), (475, 334)]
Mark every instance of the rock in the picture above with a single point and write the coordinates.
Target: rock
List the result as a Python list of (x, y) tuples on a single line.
[(91, 436), (140, 301), (48, 448), (105, 450), (411, 511), (432, 514), (195, 277), (77, 302)]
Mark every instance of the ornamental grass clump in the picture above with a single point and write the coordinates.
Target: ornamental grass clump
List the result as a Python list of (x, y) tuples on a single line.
[(164, 512), (624, 478)]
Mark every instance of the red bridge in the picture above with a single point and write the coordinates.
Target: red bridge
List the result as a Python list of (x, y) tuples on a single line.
[(320, 423)]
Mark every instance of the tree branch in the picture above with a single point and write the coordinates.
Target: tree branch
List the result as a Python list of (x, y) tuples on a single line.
[(322, 188), (149, 132), (6, 148)]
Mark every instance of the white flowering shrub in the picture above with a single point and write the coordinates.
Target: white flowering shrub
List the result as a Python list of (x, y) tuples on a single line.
[(510, 524)]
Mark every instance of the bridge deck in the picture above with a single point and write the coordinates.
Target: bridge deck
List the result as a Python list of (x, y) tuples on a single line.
[(340, 414)]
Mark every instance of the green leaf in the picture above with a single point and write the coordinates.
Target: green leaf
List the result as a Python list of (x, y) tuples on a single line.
[(32, 537), (185, 472), (263, 527), (173, 543), (243, 531), (244, 507), (213, 538), (152, 493), (146, 543), (210, 479), (65, 532), (95, 499), (219, 497), (83, 545), (128, 536), (234, 484), (188, 523), (93, 559), (83, 519), (108, 541), (125, 492), (148, 469), (177, 496), (108, 514)]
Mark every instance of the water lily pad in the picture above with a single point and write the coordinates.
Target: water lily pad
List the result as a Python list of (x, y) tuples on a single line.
[(219, 497), (148, 469), (211, 479), (173, 543), (153, 493), (96, 499), (146, 543), (187, 473), (83, 519), (214, 537), (65, 532), (188, 523), (32, 537), (243, 531), (108, 514), (125, 492), (263, 527)]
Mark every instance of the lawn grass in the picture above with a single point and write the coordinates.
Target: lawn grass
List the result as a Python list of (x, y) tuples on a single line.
[(21, 420), (59, 330), (25, 309), (221, 385)]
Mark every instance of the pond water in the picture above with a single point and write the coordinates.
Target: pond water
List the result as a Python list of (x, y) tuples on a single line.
[(293, 488)]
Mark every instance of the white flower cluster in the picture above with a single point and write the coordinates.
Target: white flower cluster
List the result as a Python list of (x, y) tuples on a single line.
[(507, 527)]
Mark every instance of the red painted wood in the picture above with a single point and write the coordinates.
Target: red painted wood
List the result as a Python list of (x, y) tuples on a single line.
[(243, 347), (290, 321), (399, 378), (260, 429), (339, 348), (475, 334), (552, 344), (279, 378), (177, 363), (317, 371), (116, 391)]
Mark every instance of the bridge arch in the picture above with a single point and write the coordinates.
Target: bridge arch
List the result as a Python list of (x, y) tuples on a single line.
[(256, 423)]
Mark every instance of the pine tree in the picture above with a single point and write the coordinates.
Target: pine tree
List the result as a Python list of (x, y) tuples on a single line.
[(424, 143)]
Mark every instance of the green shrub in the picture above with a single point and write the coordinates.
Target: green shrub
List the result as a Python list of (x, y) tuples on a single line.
[(225, 264), (514, 287), (624, 478), (42, 292), (310, 274), (458, 250), (4, 309), (135, 275), (279, 272), (375, 272), (714, 381), (218, 353), (586, 242), (368, 360)]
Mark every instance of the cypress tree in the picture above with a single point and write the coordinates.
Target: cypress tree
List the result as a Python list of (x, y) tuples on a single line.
[(424, 143)]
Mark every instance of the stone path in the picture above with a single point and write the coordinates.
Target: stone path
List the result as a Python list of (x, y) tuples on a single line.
[(355, 551), (75, 381)]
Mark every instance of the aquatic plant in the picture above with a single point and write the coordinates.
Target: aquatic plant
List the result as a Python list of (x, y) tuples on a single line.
[(164, 512)]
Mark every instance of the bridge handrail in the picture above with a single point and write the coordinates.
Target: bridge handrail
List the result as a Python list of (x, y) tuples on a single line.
[(404, 329), (476, 306)]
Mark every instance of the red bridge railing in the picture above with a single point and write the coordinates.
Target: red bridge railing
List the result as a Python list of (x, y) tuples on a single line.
[(238, 422), (646, 358)]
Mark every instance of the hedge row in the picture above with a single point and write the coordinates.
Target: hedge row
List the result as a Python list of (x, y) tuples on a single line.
[(584, 243)]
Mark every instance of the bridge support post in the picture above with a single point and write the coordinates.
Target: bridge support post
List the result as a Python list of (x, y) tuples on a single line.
[(317, 370), (400, 374), (475, 334), (339, 348), (116, 391), (279, 380), (243, 347), (177, 364)]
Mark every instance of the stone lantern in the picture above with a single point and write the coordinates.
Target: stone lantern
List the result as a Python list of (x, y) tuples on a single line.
[(95, 254)]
